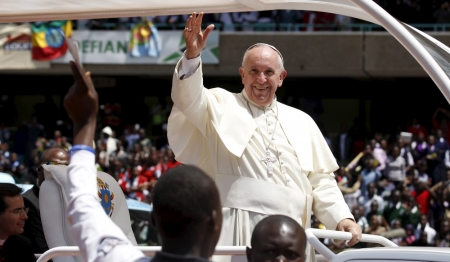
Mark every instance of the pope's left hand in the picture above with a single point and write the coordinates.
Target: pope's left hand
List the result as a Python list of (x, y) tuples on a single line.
[(349, 225)]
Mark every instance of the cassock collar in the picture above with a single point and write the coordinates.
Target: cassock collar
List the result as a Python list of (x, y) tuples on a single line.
[(271, 106)]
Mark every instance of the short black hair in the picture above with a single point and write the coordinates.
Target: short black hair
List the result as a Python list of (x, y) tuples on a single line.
[(9, 190), (275, 219), (182, 198)]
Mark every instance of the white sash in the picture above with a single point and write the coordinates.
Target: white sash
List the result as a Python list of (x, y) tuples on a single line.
[(264, 197)]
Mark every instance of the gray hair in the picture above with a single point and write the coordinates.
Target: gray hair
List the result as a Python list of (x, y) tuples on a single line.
[(280, 57)]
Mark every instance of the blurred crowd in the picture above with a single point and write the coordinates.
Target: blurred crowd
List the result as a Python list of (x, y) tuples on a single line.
[(399, 186), (408, 11)]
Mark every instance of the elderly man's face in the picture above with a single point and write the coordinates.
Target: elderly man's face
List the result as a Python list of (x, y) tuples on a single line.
[(261, 74)]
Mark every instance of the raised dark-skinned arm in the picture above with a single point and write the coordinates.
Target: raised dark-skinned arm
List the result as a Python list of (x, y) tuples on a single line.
[(81, 103)]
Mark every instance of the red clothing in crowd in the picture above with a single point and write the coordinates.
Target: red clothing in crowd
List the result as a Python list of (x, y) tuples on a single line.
[(173, 164), (149, 172), (423, 201), (416, 129), (127, 181), (446, 129)]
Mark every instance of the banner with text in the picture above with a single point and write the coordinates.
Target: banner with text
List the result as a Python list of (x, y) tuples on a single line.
[(112, 47), (15, 48)]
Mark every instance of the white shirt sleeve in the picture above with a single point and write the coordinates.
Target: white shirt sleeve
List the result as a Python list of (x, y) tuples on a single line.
[(188, 66), (93, 231)]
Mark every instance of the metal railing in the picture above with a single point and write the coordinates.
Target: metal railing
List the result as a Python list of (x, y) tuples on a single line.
[(148, 251), (313, 235)]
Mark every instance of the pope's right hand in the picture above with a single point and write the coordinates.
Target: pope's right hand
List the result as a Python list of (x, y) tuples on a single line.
[(194, 37)]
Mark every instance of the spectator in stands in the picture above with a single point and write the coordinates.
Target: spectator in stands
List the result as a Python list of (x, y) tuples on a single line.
[(108, 140), (144, 140), (412, 214), (13, 213), (20, 175), (409, 238), (444, 123), (416, 128), (441, 237), (369, 174), (33, 226), (134, 184), (56, 141), (379, 154), (438, 151), (378, 214), (342, 22), (396, 167), (395, 209), (371, 196), (424, 227), (265, 21), (277, 238), (349, 187), (132, 136), (13, 162), (422, 176), (442, 14), (246, 19), (227, 21), (419, 147), (423, 194), (396, 225), (361, 220), (287, 19), (375, 227), (406, 152)]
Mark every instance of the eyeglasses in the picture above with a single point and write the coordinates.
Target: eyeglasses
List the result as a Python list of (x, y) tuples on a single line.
[(21, 211)]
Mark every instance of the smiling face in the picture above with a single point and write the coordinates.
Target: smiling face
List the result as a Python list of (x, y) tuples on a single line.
[(261, 74), (11, 222), (278, 242)]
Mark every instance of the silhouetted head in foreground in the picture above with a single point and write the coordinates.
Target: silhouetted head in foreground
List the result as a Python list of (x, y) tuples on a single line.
[(277, 238), (187, 212)]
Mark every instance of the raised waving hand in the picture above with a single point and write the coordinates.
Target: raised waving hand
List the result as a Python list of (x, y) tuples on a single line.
[(194, 36)]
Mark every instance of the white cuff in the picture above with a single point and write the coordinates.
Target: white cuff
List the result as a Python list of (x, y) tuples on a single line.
[(188, 66)]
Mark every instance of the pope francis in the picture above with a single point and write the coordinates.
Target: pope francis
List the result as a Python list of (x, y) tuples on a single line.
[(266, 157)]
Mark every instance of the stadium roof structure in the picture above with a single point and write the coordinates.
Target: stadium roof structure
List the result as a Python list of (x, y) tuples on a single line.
[(431, 54)]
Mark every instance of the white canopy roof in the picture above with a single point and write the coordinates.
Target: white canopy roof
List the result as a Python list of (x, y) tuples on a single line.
[(35, 10), (432, 55)]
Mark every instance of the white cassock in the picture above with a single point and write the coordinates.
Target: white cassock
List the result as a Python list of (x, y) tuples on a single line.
[(223, 132)]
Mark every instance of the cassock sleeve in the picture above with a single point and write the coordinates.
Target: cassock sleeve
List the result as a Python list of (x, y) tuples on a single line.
[(328, 202), (197, 114)]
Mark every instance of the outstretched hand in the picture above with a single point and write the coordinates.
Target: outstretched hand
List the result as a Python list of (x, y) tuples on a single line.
[(194, 37), (81, 103)]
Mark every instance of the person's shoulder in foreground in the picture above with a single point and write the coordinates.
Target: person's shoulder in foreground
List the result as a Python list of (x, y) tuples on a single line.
[(277, 238), (13, 214), (187, 213)]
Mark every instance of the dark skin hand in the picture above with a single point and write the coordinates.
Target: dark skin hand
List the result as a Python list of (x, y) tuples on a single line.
[(81, 103)]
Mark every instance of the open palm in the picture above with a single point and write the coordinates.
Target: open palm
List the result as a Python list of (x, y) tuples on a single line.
[(194, 37)]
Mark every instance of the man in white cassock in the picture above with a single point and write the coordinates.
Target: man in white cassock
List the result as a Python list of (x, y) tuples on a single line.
[(266, 158)]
